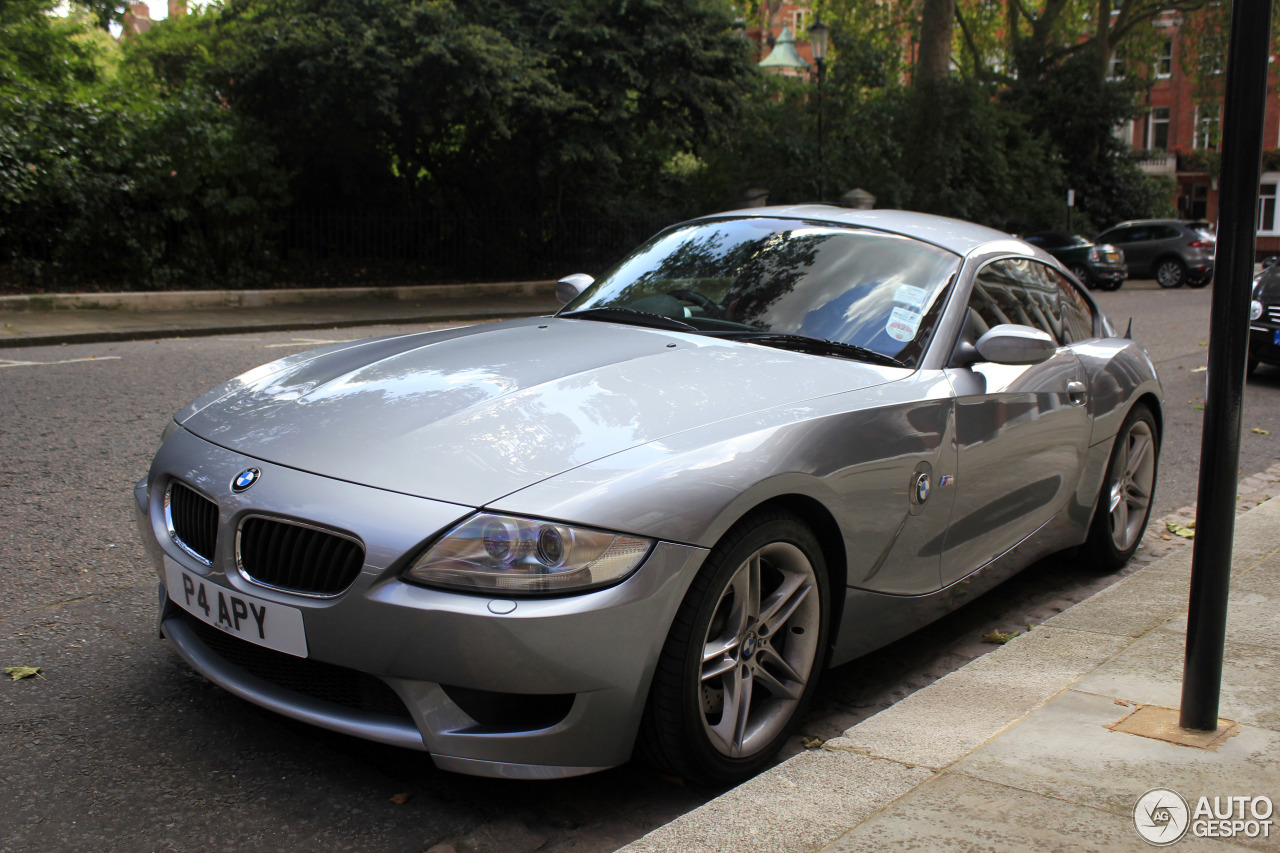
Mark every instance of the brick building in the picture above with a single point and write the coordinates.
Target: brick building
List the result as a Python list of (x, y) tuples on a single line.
[(1180, 135)]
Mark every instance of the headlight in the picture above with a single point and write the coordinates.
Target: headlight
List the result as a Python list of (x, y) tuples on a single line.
[(503, 553), (1255, 310)]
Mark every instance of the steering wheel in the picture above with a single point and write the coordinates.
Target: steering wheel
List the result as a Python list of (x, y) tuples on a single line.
[(708, 305)]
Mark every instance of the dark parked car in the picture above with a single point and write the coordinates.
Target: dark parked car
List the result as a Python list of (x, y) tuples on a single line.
[(1100, 266), (1171, 251), (1264, 319)]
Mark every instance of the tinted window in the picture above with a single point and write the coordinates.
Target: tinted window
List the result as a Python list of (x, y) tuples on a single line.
[(1029, 293), (1165, 232), (1077, 314)]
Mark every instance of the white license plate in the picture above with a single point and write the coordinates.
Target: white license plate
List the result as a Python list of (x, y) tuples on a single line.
[(264, 623)]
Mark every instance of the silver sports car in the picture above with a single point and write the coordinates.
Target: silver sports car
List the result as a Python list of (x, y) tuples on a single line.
[(764, 443)]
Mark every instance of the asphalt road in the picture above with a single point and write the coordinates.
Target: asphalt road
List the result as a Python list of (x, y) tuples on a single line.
[(121, 747)]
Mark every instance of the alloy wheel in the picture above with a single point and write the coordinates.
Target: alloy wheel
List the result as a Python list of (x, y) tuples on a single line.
[(1132, 484), (760, 650)]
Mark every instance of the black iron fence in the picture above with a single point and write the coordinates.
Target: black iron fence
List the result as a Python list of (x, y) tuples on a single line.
[(324, 248), (456, 246)]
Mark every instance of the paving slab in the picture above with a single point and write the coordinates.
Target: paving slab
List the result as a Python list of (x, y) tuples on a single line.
[(958, 713), (1150, 671), (796, 806), (1066, 751), (955, 813)]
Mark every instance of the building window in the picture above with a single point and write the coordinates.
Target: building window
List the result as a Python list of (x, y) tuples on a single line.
[(801, 23), (1208, 131), (1115, 67), (1267, 208), (1158, 129), (1164, 59)]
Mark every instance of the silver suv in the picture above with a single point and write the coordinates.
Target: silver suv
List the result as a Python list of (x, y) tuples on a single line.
[(1171, 251)]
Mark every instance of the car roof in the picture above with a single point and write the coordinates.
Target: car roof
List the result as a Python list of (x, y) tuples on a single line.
[(955, 235), (1191, 223)]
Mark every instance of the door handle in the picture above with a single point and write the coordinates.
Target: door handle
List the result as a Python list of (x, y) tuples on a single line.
[(1077, 393)]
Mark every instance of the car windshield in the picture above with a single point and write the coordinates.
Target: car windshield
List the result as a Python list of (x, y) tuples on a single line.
[(772, 279)]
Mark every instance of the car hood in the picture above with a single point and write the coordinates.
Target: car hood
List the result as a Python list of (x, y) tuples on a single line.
[(471, 415)]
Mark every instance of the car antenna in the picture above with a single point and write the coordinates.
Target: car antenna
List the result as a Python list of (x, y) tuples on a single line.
[(1128, 333)]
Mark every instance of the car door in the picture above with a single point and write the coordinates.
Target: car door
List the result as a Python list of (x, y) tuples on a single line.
[(1134, 242), (1022, 431)]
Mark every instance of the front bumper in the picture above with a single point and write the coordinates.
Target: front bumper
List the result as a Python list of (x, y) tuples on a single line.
[(1264, 343), (531, 688)]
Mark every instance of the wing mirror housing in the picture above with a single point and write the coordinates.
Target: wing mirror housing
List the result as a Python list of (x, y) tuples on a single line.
[(571, 286), (1014, 344), (1008, 343)]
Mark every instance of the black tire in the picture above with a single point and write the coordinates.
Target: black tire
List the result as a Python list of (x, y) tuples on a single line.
[(1251, 367), (1114, 284), (1081, 272), (692, 695), (1198, 283), (1170, 273), (1131, 482)]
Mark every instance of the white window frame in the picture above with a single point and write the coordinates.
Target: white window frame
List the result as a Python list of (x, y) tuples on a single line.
[(1202, 137), (1164, 61), (1116, 66), (801, 20), (1151, 128), (1267, 203)]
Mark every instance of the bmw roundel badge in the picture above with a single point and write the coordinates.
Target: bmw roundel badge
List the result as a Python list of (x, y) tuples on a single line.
[(245, 479)]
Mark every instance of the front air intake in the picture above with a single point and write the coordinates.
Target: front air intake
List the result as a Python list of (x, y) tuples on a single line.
[(296, 557)]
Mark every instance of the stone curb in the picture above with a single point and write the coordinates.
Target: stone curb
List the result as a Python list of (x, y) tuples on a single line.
[(815, 797), (173, 300)]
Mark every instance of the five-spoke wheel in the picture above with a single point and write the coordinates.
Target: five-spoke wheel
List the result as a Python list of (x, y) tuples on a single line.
[(1124, 504), (744, 653)]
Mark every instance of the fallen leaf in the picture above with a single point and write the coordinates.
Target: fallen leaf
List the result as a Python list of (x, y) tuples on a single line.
[(1000, 637), (1260, 431), (1122, 702), (812, 742), (1204, 343), (1198, 408), (17, 673), (401, 799), (1165, 536), (1186, 531), (1200, 369)]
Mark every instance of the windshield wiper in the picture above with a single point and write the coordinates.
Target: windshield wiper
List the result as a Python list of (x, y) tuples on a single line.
[(633, 316), (814, 346)]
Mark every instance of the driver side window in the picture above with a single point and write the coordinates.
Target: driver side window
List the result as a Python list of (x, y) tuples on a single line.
[(1019, 291)]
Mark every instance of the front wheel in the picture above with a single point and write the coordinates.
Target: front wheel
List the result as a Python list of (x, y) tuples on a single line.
[(1171, 273), (742, 659), (1124, 504)]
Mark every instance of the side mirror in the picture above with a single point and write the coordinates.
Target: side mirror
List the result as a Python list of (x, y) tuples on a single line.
[(1013, 344), (1269, 262), (569, 287)]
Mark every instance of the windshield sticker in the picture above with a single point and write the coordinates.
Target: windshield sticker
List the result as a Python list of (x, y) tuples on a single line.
[(912, 297), (903, 324)]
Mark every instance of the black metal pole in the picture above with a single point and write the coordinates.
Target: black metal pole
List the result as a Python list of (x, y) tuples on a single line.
[(822, 161), (1228, 352)]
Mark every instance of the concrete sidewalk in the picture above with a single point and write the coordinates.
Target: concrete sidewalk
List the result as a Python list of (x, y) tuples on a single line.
[(92, 318), (1046, 743)]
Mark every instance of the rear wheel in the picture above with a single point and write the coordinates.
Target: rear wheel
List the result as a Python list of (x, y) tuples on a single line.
[(1081, 272), (1203, 281), (1171, 272), (742, 660), (1124, 504)]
